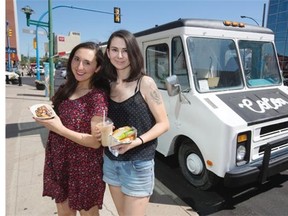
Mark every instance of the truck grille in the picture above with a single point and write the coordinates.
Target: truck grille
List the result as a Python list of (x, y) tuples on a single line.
[(273, 129)]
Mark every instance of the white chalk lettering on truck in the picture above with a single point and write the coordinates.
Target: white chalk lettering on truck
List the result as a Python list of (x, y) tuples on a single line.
[(264, 104)]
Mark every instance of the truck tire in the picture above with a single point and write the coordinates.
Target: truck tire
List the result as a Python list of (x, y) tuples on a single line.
[(193, 167)]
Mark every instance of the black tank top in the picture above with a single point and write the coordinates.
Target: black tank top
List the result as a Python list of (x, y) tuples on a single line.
[(133, 112)]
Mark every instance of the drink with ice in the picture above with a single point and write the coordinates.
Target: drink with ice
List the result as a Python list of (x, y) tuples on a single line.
[(105, 126)]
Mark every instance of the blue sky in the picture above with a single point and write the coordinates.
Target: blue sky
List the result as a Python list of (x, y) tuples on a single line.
[(137, 15)]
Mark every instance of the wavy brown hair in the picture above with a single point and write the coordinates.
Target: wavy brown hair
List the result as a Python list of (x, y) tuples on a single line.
[(98, 80), (134, 55)]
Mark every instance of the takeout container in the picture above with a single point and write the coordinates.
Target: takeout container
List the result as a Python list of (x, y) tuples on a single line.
[(115, 141), (45, 109)]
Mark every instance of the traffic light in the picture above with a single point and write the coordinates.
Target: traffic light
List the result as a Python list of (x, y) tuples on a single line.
[(9, 32), (117, 15), (34, 43)]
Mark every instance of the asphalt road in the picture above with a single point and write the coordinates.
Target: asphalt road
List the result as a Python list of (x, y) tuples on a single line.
[(268, 199), (30, 80)]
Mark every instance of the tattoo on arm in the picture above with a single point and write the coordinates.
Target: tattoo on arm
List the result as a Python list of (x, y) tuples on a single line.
[(155, 97)]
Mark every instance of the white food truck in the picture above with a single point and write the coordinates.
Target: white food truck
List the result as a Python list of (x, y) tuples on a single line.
[(225, 99)]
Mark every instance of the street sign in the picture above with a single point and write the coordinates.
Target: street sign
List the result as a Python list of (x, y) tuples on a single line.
[(10, 50), (31, 31)]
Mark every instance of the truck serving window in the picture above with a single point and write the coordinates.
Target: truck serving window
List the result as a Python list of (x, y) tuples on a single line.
[(215, 64), (259, 63), (157, 63)]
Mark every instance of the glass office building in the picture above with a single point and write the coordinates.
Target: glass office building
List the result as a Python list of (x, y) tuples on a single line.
[(277, 20)]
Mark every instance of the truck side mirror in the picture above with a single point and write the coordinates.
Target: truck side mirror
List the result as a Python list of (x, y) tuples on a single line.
[(172, 85), (174, 88)]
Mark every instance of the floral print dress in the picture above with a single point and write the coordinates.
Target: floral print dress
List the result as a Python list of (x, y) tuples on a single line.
[(72, 171)]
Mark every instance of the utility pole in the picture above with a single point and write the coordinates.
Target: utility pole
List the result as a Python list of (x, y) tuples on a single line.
[(51, 63), (264, 12), (8, 45)]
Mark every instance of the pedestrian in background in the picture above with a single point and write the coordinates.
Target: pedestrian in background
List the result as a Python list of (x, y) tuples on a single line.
[(74, 158), (134, 101)]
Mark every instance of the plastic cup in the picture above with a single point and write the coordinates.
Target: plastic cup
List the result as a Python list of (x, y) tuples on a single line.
[(106, 128)]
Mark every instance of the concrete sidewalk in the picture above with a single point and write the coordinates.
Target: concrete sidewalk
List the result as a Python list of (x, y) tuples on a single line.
[(25, 146)]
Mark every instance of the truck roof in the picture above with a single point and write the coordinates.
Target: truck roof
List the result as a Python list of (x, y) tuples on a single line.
[(203, 23)]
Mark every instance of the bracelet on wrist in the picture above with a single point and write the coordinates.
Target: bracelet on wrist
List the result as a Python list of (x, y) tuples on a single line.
[(142, 142)]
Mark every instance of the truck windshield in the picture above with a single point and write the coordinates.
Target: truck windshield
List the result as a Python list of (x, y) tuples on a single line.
[(216, 64), (259, 63)]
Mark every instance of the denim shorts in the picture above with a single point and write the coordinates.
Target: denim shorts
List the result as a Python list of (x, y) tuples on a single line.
[(136, 178)]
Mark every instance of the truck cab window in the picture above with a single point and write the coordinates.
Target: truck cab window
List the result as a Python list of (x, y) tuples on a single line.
[(179, 66), (259, 63), (215, 64), (157, 63)]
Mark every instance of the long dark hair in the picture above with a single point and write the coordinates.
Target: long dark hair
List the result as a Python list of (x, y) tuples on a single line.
[(134, 55), (97, 81)]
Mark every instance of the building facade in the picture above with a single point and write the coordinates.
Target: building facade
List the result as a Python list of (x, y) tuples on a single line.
[(11, 35), (277, 20), (64, 44)]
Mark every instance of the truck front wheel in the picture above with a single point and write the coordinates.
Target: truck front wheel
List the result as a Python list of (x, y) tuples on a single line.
[(193, 167)]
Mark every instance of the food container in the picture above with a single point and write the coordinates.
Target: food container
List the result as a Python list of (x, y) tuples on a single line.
[(42, 111), (131, 135)]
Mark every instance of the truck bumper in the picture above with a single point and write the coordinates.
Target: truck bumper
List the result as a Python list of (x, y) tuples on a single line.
[(259, 170)]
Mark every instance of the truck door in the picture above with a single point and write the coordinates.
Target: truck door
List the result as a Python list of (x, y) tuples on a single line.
[(163, 58)]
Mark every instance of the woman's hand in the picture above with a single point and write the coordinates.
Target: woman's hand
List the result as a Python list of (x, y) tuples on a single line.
[(84, 139), (122, 148), (96, 132), (54, 124)]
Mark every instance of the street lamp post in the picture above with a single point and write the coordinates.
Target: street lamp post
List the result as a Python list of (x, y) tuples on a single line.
[(251, 19), (51, 63), (28, 11)]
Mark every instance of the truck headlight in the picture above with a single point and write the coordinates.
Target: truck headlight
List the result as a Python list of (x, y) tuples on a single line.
[(241, 152), (243, 148)]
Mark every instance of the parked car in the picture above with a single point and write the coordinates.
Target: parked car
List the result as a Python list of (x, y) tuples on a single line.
[(11, 77), (34, 70), (41, 69)]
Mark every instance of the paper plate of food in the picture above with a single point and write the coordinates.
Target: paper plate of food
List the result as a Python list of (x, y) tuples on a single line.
[(42, 111), (123, 135)]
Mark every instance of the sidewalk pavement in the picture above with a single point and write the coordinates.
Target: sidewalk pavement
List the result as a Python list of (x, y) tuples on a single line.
[(25, 146)]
